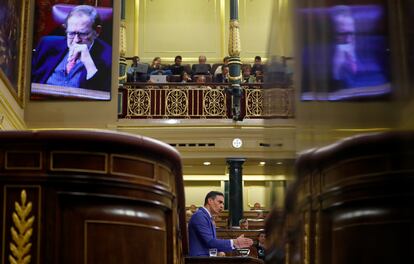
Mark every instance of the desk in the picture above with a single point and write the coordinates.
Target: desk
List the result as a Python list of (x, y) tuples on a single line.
[(45, 91), (210, 260)]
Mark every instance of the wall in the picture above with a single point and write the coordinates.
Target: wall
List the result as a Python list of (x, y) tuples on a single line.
[(11, 113), (266, 191), (190, 28)]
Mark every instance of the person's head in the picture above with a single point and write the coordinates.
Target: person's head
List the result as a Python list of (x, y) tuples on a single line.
[(178, 60), (83, 25), (214, 202), (202, 59), (257, 60), (244, 223), (225, 70), (257, 206), (186, 77), (156, 62), (246, 71), (343, 24), (201, 79), (193, 208), (135, 60), (226, 60), (261, 238), (259, 73)]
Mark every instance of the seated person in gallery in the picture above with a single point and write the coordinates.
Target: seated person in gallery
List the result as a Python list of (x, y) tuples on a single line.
[(205, 69), (188, 213), (134, 74), (79, 59), (247, 76), (225, 62), (244, 223), (259, 76), (156, 68), (185, 77), (257, 206), (223, 77), (177, 68), (257, 65), (201, 79), (260, 245)]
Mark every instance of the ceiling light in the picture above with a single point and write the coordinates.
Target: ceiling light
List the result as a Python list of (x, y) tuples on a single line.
[(262, 163), (207, 163), (279, 163)]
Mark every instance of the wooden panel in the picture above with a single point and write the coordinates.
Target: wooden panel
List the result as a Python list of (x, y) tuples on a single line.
[(28, 160), (83, 216), (390, 245), (132, 166), (78, 161), (164, 176), (121, 245)]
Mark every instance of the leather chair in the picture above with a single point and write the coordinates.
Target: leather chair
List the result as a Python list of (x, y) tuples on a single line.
[(61, 11)]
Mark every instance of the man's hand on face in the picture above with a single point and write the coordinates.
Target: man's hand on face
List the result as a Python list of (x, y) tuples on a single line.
[(81, 52)]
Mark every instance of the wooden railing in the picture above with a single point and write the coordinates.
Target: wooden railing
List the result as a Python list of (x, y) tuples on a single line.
[(184, 100)]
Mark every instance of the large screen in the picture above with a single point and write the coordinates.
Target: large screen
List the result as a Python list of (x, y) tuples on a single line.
[(345, 51), (72, 51)]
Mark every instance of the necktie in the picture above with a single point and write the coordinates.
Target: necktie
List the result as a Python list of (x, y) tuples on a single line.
[(69, 66), (213, 223)]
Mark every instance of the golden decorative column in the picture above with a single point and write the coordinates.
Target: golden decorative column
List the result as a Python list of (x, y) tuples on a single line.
[(234, 61)]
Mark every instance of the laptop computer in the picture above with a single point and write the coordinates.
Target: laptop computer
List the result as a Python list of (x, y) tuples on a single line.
[(202, 69), (141, 68), (158, 78)]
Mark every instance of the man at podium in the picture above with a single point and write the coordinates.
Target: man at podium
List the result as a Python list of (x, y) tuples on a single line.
[(202, 230)]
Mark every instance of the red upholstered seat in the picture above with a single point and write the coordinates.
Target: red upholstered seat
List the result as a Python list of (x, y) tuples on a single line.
[(61, 11)]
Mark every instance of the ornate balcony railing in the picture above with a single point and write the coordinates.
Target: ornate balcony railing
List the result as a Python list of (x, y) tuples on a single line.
[(176, 100)]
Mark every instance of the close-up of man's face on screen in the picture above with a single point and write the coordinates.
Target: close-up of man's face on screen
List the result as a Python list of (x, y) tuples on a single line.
[(345, 53), (72, 52)]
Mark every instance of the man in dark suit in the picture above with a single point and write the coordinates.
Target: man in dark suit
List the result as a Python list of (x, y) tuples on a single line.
[(78, 60), (223, 77), (202, 60), (202, 230)]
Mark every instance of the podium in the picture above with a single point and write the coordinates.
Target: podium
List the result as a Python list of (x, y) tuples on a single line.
[(90, 197), (224, 260)]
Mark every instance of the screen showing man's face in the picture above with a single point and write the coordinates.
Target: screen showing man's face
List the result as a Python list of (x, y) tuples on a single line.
[(72, 51), (79, 30)]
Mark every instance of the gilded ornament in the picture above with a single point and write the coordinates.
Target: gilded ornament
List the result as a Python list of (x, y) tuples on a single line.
[(21, 232), (234, 39)]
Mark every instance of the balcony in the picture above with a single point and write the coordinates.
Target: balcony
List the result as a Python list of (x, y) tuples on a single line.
[(205, 101)]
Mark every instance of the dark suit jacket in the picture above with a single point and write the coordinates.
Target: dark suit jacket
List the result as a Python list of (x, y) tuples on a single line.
[(194, 69), (202, 235), (220, 79), (52, 49)]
